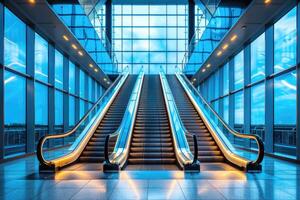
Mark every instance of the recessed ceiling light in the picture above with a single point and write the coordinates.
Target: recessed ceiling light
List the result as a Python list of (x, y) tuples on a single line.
[(80, 53), (74, 46), (108, 82), (96, 70), (225, 46), (208, 65), (194, 79), (267, 1), (219, 53), (31, 1), (203, 70), (65, 37), (233, 38), (104, 79), (91, 65)]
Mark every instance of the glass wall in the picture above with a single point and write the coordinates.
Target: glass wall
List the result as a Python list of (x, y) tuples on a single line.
[(239, 71), (285, 42), (258, 56), (258, 110), (280, 85), (285, 112), (15, 114), (47, 98), (150, 37)]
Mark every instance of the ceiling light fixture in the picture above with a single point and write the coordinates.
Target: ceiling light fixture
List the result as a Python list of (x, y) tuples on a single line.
[(208, 65), (104, 79), (225, 46), (31, 1), (80, 53), (74, 46), (96, 70), (65, 37), (194, 79), (203, 70), (267, 1), (91, 65), (219, 53), (233, 38)]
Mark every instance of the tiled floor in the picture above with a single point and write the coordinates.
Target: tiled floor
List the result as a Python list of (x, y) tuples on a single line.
[(21, 179)]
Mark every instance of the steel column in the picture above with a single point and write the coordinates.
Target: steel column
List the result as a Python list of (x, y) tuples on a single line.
[(30, 91), (269, 105)]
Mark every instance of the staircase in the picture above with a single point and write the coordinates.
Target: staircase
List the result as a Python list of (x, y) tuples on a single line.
[(152, 141), (94, 151), (208, 150)]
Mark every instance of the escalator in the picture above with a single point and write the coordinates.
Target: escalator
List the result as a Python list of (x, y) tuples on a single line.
[(94, 151), (85, 141), (208, 150), (151, 141)]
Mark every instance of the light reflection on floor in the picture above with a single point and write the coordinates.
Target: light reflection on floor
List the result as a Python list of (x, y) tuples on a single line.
[(278, 180)]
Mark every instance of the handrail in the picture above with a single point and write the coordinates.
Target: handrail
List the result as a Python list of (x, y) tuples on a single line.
[(118, 158), (260, 144), (186, 159), (50, 165)]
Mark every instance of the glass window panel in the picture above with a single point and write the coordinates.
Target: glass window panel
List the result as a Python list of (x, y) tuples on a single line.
[(285, 114), (226, 79), (41, 58), (58, 108), (71, 77), (14, 42), (239, 70), (285, 42), (258, 56), (41, 111), (239, 108), (226, 109), (71, 111), (258, 104), (82, 84), (285, 99), (14, 124), (59, 70), (82, 108)]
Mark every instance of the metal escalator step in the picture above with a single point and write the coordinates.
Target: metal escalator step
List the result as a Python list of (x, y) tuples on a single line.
[(211, 158), (152, 154), (151, 140), (151, 149), (91, 159), (151, 161)]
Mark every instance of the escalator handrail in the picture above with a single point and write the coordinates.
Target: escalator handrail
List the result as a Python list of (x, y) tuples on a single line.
[(43, 139), (117, 158), (255, 137), (186, 132)]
